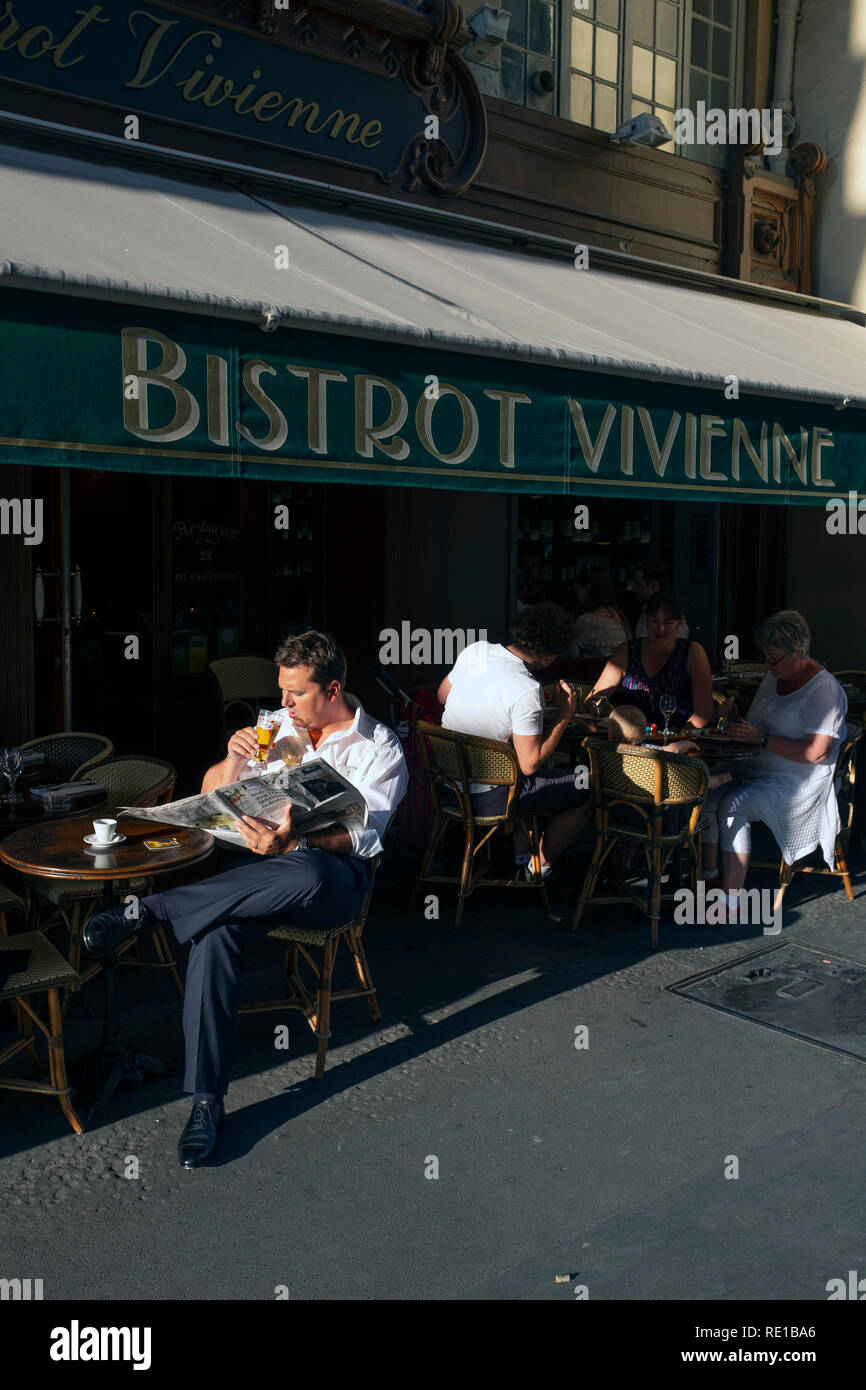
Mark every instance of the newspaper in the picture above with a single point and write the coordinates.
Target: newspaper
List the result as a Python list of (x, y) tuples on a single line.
[(317, 793)]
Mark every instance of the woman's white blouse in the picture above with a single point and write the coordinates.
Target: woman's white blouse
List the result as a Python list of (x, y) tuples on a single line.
[(798, 800)]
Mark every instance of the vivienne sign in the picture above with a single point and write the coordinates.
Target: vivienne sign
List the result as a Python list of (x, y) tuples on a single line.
[(178, 393), (323, 86)]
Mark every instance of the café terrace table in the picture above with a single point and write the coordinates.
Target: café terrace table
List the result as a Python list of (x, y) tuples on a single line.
[(57, 850), (31, 811), (711, 750)]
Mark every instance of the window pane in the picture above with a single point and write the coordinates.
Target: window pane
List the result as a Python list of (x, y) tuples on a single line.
[(699, 89), (517, 22), (666, 28), (666, 81), (642, 21), (607, 12), (638, 107), (581, 45), (541, 27), (721, 64), (700, 43), (642, 72), (605, 107), (585, 9), (513, 75), (720, 93), (703, 7), (667, 117), (580, 99), (606, 55), (723, 12)]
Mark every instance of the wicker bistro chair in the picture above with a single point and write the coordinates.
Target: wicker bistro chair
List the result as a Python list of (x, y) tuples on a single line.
[(247, 682), (648, 781), (316, 1007), (131, 780), (858, 680), (453, 760), (11, 908), (844, 788), (46, 973), (70, 753)]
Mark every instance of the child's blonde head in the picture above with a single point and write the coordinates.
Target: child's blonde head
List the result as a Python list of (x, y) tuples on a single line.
[(627, 724)]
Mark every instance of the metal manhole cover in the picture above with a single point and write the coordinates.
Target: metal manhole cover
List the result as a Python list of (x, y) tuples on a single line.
[(812, 995)]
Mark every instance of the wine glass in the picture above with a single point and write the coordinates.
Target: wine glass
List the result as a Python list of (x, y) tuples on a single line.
[(667, 704), (10, 764)]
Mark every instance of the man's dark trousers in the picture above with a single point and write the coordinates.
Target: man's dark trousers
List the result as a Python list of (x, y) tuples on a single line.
[(218, 915)]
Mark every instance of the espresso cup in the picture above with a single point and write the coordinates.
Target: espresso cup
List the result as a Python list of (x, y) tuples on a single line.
[(104, 831)]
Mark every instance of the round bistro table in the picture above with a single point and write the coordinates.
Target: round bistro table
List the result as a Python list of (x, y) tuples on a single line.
[(56, 849)]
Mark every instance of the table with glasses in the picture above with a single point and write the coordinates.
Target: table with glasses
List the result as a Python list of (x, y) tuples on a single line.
[(30, 810), (57, 850)]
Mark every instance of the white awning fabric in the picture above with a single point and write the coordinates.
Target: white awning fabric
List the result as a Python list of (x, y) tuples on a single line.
[(75, 226)]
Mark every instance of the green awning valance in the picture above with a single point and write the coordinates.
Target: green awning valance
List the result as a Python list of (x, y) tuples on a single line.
[(86, 384)]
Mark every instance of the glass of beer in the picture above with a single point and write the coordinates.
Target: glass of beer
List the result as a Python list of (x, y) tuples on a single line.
[(267, 724), (291, 750)]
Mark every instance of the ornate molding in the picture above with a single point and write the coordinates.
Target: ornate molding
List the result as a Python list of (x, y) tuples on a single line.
[(809, 159), (420, 47)]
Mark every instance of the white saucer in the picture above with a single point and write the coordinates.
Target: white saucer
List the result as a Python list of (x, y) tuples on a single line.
[(103, 844)]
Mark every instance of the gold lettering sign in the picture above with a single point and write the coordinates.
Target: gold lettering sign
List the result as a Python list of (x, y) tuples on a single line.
[(161, 56), (696, 449)]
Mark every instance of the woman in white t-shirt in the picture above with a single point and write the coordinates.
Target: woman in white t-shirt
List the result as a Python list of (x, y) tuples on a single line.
[(798, 717), (491, 693)]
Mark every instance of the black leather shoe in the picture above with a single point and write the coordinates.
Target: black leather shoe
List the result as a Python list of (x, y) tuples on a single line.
[(198, 1140), (109, 929)]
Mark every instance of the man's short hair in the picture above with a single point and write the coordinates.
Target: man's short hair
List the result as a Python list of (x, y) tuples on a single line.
[(543, 629), (319, 651), (655, 572)]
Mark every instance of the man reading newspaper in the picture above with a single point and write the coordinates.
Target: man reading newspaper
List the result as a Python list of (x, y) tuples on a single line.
[(318, 878)]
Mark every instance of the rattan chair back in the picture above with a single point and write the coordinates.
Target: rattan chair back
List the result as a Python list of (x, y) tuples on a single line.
[(133, 780), (844, 777), (248, 682), (453, 760), (69, 753), (646, 779)]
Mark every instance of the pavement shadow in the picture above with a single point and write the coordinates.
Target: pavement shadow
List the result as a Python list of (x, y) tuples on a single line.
[(506, 945)]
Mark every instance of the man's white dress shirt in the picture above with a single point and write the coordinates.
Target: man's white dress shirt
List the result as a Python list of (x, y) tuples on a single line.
[(370, 756)]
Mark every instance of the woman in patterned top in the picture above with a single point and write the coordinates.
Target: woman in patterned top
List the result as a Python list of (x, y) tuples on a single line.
[(660, 663)]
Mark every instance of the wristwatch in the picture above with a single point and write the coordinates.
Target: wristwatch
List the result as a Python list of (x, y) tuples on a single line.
[(302, 843), (765, 739)]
